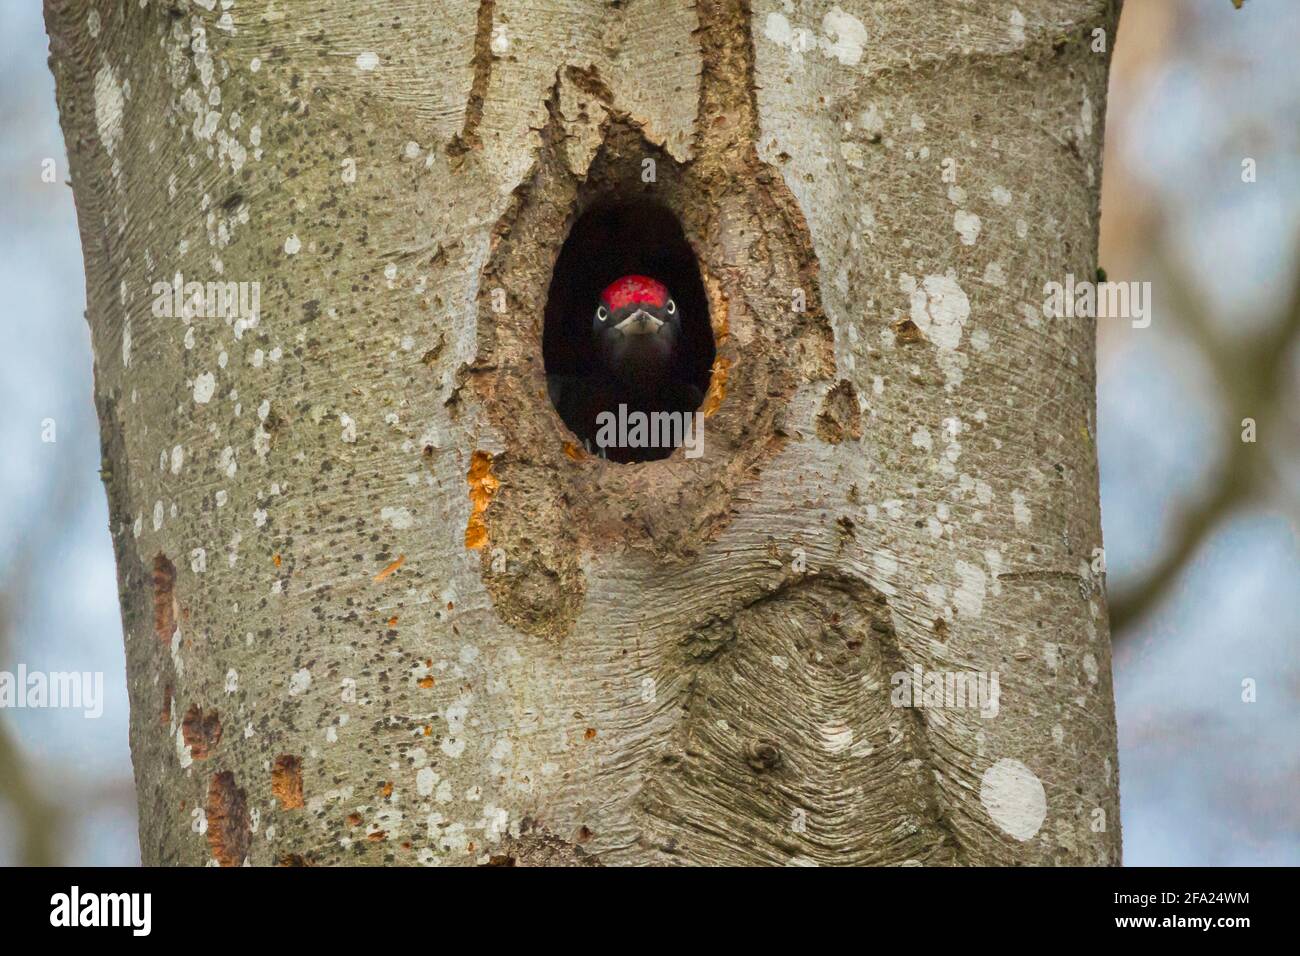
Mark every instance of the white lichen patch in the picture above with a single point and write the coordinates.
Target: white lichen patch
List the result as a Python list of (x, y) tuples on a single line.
[(500, 41), (1020, 510), (836, 737), (184, 753), (994, 274), (1090, 668), (205, 385), (886, 566), (1014, 798), (1016, 27), (109, 108), (968, 226), (993, 559), (426, 779), (968, 597), (844, 36), (939, 307), (779, 30)]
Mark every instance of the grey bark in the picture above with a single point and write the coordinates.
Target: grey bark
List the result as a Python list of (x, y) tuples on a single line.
[(379, 608)]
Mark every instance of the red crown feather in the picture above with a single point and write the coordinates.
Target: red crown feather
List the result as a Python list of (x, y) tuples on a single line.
[(634, 289)]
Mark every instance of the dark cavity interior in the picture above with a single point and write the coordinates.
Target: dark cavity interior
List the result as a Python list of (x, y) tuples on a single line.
[(612, 239)]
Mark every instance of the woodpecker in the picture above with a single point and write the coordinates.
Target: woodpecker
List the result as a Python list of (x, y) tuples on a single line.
[(633, 361), (636, 328)]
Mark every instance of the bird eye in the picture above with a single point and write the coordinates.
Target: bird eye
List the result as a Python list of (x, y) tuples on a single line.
[(672, 307), (602, 313)]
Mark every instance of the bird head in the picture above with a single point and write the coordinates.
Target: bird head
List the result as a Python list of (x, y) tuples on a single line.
[(636, 328)]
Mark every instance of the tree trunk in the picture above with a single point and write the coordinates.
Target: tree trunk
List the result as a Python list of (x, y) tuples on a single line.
[(380, 607)]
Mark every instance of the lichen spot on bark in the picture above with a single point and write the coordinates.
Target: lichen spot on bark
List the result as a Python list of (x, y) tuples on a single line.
[(482, 486), (229, 824), (286, 781), (164, 598), (201, 731)]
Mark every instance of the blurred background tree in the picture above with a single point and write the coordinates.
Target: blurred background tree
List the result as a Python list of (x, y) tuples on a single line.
[(1199, 197)]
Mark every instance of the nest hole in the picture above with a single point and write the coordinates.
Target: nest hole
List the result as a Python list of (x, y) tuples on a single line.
[(614, 238)]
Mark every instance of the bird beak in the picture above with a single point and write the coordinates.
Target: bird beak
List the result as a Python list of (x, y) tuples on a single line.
[(640, 322)]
